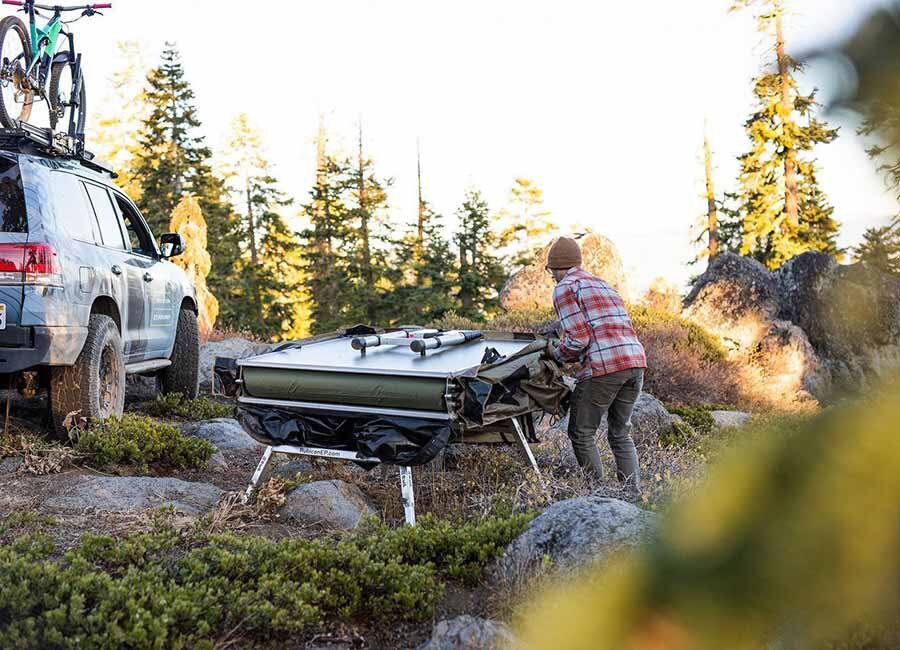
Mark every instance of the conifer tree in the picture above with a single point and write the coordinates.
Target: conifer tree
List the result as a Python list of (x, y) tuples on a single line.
[(783, 211), (881, 248), (121, 115), (424, 292), (525, 225), (266, 279), (325, 265), (173, 159), (368, 243), (480, 272), (187, 220)]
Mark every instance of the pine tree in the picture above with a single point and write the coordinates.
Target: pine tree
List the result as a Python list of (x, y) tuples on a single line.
[(784, 213), (369, 242), (525, 225), (173, 159), (121, 115), (881, 248), (424, 292), (325, 265), (480, 272), (266, 279), (187, 220)]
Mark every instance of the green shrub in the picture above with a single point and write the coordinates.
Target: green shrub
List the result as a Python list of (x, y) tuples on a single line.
[(697, 416), (161, 589), (692, 338), (176, 405), (142, 441), (679, 434)]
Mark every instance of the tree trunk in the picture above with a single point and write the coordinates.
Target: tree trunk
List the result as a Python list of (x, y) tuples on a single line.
[(367, 271), (420, 228), (711, 211), (790, 155)]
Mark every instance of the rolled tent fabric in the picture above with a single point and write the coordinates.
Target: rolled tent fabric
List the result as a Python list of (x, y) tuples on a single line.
[(393, 440)]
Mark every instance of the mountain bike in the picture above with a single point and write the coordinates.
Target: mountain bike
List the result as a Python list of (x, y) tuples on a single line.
[(34, 68)]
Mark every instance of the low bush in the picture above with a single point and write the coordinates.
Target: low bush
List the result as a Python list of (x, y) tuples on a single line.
[(161, 589), (698, 416), (142, 441), (176, 405)]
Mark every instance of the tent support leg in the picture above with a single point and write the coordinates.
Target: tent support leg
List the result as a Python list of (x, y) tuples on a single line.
[(406, 492), (523, 445), (267, 454)]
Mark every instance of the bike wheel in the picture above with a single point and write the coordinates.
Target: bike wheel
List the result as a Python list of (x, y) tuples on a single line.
[(16, 94), (61, 105)]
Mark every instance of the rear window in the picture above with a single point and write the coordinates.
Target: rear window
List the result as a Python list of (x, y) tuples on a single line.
[(74, 213), (110, 230), (12, 198)]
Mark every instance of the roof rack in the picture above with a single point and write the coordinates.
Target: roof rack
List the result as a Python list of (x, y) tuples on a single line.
[(31, 139)]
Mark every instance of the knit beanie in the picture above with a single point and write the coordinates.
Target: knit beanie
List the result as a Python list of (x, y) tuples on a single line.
[(564, 254)]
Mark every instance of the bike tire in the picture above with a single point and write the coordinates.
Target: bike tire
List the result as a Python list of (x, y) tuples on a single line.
[(56, 71), (12, 27)]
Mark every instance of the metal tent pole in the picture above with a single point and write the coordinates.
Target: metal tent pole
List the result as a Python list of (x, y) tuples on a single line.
[(407, 494), (523, 444), (260, 468)]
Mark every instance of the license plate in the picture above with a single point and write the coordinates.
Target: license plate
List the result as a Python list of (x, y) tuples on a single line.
[(2, 316)]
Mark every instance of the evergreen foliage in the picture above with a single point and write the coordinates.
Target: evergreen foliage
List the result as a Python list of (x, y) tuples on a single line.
[(524, 226), (170, 589), (326, 269), (266, 282), (426, 292), (480, 273), (173, 159), (783, 211), (881, 248)]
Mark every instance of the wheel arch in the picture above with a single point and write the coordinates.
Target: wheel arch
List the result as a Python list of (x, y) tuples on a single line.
[(188, 302), (107, 306)]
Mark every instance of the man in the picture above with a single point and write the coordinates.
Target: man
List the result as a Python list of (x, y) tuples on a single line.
[(598, 333)]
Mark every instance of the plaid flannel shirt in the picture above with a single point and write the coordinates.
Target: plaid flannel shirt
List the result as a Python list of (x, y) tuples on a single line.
[(597, 329)]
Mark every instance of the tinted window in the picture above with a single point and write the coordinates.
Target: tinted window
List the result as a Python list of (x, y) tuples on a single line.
[(110, 230), (12, 198), (140, 238), (74, 214)]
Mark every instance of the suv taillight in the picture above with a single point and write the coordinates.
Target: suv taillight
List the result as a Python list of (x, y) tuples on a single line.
[(29, 264)]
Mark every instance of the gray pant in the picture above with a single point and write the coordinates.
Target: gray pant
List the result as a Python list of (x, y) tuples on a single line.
[(616, 393)]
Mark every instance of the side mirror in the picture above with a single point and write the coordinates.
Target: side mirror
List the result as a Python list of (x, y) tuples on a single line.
[(171, 244)]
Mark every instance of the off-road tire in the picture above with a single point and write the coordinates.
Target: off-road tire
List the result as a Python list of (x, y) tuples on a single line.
[(12, 27), (55, 75), (95, 386), (184, 374)]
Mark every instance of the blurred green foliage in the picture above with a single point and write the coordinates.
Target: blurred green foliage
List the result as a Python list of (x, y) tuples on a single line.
[(177, 405), (793, 540)]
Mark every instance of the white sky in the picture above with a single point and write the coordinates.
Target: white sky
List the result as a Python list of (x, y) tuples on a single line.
[(601, 103)]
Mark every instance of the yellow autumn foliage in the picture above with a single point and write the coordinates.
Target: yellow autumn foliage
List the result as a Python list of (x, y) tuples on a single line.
[(793, 543), (187, 220)]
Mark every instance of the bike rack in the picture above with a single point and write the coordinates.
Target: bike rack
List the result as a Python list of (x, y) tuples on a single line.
[(30, 139)]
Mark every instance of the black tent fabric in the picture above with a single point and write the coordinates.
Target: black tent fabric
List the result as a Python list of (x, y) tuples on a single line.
[(393, 440)]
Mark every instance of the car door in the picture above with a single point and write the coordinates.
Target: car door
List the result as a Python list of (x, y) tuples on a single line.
[(123, 264), (161, 294)]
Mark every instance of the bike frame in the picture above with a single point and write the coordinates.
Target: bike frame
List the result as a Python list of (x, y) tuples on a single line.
[(43, 41)]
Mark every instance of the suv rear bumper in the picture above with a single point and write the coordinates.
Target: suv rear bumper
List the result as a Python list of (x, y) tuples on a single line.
[(24, 347)]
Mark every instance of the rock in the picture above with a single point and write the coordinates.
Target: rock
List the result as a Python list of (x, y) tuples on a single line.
[(531, 288), (140, 389), (291, 468), (223, 433), (726, 419), (334, 504), (850, 313), (735, 298), (739, 300), (234, 348), (123, 493), (217, 463), (572, 533), (11, 464), (469, 632)]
